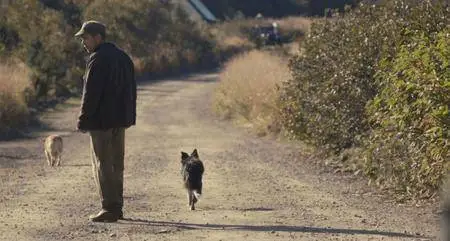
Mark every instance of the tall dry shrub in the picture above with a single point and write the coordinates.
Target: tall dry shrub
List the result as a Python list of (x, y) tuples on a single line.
[(248, 89), (14, 79)]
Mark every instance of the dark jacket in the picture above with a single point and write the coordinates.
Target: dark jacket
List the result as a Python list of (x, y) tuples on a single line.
[(109, 92)]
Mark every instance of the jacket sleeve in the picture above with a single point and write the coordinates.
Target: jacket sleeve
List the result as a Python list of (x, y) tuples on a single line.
[(96, 74)]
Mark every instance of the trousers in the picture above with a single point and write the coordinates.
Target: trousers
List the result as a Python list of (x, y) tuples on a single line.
[(108, 152)]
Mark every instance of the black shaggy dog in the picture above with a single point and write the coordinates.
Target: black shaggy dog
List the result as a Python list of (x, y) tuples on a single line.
[(192, 171)]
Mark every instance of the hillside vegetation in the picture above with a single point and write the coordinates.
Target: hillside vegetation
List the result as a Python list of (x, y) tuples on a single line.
[(231, 9), (39, 34), (372, 86)]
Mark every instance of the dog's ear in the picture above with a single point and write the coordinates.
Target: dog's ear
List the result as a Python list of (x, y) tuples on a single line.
[(184, 155), (195, 153)]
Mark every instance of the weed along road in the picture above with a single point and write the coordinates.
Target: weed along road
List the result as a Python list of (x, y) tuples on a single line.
[(253, 188)]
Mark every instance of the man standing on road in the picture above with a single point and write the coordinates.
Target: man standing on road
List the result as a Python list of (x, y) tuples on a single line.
[(108, 108)]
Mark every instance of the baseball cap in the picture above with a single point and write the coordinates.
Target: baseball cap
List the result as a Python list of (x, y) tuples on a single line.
[(92, 27)]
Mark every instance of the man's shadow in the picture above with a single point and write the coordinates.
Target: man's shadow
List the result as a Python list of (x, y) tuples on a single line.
[(266, 228)]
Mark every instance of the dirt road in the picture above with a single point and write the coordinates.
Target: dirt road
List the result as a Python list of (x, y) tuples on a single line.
[(254, 189)]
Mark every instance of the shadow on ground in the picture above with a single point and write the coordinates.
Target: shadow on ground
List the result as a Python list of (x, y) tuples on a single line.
[(266, 228)]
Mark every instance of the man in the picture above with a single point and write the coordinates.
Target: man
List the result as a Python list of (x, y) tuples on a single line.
[(108, 108), (445, 209)]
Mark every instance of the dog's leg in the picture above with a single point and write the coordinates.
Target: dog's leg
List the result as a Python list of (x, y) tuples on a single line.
[(194, 198), (191, 200), (53, 161), (58, 163), (49, 158), (197, 193)]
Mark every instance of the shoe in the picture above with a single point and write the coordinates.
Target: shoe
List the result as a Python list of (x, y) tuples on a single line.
[(105, 216)]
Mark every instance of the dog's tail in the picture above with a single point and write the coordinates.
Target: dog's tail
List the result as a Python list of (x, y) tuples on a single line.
[(197, 194)]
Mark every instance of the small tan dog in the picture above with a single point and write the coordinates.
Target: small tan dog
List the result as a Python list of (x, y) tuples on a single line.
[(53, 147)]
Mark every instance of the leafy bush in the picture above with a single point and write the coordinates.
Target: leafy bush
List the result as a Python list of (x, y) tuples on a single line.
[(159, 36), (410, 115), (47, 46), (333, 79), (320, 7), (377, 77)]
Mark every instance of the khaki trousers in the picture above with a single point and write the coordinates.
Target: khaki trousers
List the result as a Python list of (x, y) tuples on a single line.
[(108, 149)]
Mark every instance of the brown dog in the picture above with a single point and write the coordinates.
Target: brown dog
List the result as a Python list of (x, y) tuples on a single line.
[(53, 147)]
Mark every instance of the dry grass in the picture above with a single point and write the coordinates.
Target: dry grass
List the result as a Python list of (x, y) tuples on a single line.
[(13, 107), (248, 90), (228, 35), (235, 42), (295, 23)]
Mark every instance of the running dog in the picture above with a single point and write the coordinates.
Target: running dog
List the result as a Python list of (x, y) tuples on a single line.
[(192, 171), (53, 147)]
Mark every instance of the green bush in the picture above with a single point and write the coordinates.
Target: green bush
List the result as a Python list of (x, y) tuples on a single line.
[(40, 33), (410, 115), (377, 77), (333, 79), (160, 37), (47, 45)]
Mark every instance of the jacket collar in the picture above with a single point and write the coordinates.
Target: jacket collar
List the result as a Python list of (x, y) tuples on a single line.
[(102, 46)]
